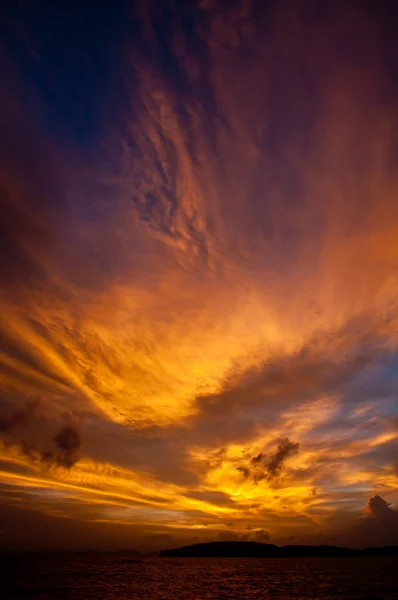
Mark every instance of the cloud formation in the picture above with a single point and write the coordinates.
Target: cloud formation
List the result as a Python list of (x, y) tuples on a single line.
[(207, 277), (66, 453), (262, 467), (18, 429), (19, 417)]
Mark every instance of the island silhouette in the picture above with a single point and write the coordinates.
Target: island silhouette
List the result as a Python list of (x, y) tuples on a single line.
[(236, 549)]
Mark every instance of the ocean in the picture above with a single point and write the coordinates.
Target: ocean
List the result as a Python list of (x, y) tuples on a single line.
[(117, 578)]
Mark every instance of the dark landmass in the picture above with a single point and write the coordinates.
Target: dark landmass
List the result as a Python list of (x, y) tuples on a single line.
[(256, 549)]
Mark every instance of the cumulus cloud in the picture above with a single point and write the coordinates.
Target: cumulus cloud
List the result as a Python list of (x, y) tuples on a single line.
[(348, 527), (380, 525), (379, 508)]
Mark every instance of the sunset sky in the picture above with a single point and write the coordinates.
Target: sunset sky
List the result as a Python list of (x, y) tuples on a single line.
[(198, 273)]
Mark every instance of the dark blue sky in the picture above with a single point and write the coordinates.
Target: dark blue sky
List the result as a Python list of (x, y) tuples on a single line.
[(72, 53)]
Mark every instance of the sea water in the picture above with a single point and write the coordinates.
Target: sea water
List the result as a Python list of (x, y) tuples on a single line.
[(96, 577)]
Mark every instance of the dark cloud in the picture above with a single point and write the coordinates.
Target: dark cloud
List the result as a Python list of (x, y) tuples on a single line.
[(347, 527), (244, 470), (262, 536), (68, 443), (285, 449), (262, 467), (257, 459), (378, 508), (20, 429), (378, 528), (302, 377), (19, 418)]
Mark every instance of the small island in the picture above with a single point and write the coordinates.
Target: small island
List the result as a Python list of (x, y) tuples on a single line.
[(259, 550)]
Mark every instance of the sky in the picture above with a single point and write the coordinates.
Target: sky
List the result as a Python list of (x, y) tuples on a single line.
[(198, 273)]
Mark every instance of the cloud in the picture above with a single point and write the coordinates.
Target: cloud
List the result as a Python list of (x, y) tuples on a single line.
[(30, 435), (285, 449), (217, 271), (261, 467), (58, 521), (262, 536), (225, 536), (217, 498), (244, 470), (18, 418), (378, 508), (379, 527), (346, 526), (68, 443)]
